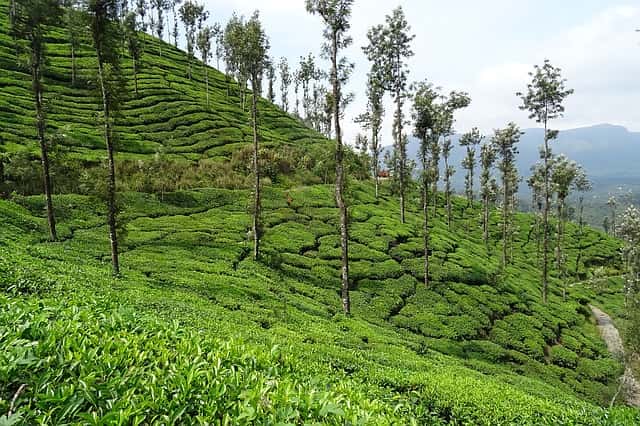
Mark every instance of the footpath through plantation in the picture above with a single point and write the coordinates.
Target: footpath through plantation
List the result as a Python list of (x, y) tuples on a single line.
[(193, 330)]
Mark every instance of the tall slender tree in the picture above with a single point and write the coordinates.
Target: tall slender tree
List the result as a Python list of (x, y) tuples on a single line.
[(470, 141), (29, 24), (564, 175), (205, 37), (256, 59), (487, 161), (271, 77), (372, 121), (174, 13), (335, 15), (629, 231), (454, 102), (425, 117), (73, 23), (544, 101), (583, 185), (218, 37), (190, 14), (536, 184), (160, 7), (504, 143), (388, 49), (131, 28), (234, 43), (103, 15), (285, 82)]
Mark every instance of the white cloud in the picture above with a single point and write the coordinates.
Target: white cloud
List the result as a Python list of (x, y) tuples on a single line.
[(487, 49)]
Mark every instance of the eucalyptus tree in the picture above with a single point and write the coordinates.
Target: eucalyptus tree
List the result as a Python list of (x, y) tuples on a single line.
[(307, 74), (285, 82), (371, 120), (296, 90), (131, 27), (504, 143), (73, 20), (174, 4), (218, 37), (234, 44), (191, 13), (204, 39), (455, 101), (536, 185), (487, 185), (361, 145), (141, 11), (629, 231), (160, 6), (564, 175), (30, 19), (449, 171), (425, 117), (544, 101), (255, 60), (388, 49), (104, 29), (582, 185), (271, 77), (470, 141), (335, 15)]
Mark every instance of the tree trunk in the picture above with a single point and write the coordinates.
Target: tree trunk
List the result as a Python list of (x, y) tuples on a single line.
[(580, 230), (505, 216), (111, 184), (485, 219), (425, 212), (344, 219), (559, 231), (447, 192), (376, 171), (545, 220), (36, 85), (206, 84), (402, 155), (257, 229), (471, 185)]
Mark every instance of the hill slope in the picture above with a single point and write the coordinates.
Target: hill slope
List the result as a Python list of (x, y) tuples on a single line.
[(169, 116), (196, 332), (473, 346)]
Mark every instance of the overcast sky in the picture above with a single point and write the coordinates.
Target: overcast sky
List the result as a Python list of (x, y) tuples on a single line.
[(485, 48)]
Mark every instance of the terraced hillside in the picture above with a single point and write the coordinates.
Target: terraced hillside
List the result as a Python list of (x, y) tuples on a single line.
[(195, 332), (475, 345), (169, 115)]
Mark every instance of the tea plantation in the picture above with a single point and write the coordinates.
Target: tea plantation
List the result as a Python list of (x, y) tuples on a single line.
[(195, 332)]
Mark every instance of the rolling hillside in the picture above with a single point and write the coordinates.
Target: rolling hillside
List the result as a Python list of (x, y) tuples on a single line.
[(169, 116), (195, 332)]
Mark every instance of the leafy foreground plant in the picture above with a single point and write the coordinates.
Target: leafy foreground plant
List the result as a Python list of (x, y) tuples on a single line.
[(90, 362)]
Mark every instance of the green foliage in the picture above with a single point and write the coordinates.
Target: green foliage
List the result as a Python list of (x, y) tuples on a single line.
[(196, 332)]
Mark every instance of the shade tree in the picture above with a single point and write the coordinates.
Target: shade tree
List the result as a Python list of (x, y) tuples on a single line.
[(543, 100)]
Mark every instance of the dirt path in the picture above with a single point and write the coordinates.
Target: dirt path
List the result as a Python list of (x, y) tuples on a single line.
[(630, 386)]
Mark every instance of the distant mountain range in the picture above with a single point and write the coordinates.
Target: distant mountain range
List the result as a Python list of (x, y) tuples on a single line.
[(609, 153)]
